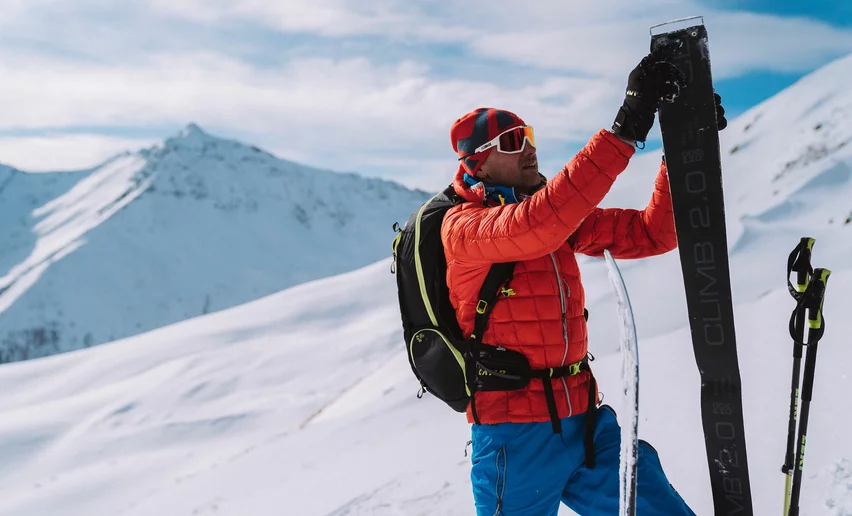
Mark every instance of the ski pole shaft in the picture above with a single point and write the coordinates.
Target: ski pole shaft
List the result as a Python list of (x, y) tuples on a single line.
[(800, 263), (787, 468), (813, 300)]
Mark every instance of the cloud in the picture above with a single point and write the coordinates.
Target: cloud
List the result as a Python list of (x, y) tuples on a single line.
[(61, 152), (351, 85), (602, 38), (742, 42), (325, 17), (333, 108)]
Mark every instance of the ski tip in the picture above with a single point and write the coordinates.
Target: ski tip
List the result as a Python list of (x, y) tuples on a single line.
[(676, 25)]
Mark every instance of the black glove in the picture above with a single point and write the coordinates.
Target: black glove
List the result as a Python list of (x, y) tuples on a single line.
[(653, 79), (721, 121)]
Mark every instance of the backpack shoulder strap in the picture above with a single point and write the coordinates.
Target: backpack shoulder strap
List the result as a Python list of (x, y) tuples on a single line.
[(497, 276)]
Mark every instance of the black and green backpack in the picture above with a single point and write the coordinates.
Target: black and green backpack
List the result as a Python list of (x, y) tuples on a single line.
[(440, 356), (447, 365)]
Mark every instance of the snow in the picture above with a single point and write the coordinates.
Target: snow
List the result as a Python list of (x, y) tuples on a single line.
[(303, 402), (188, 227)]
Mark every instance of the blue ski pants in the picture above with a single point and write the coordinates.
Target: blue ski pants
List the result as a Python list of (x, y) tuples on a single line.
[(525, 469)]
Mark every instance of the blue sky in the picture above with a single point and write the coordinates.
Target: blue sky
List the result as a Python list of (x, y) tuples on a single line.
[(751, 88), (370, 87)]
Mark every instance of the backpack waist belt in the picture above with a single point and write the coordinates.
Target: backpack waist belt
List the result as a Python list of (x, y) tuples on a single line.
[(501, 369)]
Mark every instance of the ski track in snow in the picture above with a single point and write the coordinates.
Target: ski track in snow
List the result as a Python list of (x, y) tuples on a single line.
[(838, 500)]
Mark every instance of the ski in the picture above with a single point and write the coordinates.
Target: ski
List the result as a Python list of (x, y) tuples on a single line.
[(630, 392), (691, 144)]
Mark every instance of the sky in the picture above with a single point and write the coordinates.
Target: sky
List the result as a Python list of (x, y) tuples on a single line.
[(366, 87)]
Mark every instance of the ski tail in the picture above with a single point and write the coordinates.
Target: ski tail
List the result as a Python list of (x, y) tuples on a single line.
[(630, 388)]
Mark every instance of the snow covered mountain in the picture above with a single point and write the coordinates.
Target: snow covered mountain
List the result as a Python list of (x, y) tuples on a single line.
[(188, 227), (302, 403)]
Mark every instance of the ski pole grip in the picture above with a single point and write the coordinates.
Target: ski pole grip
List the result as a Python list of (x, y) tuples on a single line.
[(820, 279), (800, 262)]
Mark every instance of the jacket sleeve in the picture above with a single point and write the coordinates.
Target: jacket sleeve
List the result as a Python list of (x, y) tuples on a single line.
[(476, 234), (630, 233)]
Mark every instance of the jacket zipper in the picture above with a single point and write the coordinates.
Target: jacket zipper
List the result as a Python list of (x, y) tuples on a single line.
[(500, 487), (564, 329)]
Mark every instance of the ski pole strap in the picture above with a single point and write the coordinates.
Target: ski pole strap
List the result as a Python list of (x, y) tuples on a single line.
[(810, 301), (497, 277), (797, 329), (800, 263)]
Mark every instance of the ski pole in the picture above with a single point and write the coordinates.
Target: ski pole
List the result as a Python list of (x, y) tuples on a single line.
[(800, 263), (812, 299)]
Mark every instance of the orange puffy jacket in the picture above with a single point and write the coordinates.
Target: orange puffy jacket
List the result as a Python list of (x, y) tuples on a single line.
[(544, 319)]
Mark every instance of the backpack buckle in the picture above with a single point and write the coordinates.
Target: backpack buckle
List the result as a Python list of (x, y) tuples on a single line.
[(574, 368), (481, 306)]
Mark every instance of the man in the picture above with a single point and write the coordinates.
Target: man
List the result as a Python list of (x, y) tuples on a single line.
[(528, 456)]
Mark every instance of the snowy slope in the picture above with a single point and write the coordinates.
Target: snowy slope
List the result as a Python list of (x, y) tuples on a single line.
[(20, 194), (302, 403), (189, 227)]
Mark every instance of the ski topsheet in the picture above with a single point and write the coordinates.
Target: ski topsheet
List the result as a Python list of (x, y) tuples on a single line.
[(630, 391), (691, 144)]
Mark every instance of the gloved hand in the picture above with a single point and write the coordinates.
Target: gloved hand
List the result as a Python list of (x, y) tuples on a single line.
[(721, 121), (653, 79)]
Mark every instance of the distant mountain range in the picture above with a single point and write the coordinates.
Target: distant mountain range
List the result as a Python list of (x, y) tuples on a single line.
[(191, 226)]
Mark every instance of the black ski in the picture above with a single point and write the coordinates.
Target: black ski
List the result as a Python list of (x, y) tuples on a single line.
[(691, 143)]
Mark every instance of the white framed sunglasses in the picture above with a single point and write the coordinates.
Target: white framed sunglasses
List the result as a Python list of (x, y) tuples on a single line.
[(510, 141)]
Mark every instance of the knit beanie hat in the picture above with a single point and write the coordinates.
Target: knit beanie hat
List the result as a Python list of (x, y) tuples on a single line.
[(477, 127)]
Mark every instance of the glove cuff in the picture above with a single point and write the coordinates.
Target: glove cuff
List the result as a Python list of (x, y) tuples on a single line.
[(633, 121)]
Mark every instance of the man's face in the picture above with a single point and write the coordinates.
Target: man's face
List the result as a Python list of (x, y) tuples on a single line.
[(514, 170)]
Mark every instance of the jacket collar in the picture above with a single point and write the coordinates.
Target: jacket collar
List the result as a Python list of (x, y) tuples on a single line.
[(475, 190)]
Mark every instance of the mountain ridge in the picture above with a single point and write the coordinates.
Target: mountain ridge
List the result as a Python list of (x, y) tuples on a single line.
[(191, 225)]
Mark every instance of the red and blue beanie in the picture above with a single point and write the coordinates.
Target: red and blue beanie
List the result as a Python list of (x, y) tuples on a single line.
[(477, 127)]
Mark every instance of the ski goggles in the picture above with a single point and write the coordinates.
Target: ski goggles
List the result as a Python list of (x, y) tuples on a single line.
[(511, 141)]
